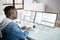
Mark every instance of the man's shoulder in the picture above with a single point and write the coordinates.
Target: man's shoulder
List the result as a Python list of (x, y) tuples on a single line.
[(12, 24)]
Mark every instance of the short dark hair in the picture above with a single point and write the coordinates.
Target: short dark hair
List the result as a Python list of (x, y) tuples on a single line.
[(8, 9)]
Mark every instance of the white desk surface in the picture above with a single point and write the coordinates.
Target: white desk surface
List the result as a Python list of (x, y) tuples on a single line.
[(43, 33)]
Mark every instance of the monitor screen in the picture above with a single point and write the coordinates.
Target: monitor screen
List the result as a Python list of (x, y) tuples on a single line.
[(47, 19)]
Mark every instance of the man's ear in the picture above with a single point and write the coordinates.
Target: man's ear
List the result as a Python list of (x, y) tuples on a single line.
[(9, 14)]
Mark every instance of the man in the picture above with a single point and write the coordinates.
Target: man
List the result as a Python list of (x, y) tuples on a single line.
[(10, 30)]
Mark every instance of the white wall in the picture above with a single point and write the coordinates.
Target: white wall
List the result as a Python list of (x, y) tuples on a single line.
[(1, 10), (53, 6), (30, 5), (1, 5)]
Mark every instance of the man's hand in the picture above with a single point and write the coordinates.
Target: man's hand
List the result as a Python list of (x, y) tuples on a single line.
[(23, 28), (29, 28)]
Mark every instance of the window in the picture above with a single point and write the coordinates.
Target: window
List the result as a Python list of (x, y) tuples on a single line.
[(7, 3), (17, 3)]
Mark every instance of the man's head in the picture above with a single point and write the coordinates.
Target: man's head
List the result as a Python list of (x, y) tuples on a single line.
[(10, 12)]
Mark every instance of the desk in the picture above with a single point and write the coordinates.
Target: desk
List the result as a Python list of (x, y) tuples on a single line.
[(45, 33), (42, 32)]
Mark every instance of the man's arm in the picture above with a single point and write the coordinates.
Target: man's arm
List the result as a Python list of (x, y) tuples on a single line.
[(17, 31)]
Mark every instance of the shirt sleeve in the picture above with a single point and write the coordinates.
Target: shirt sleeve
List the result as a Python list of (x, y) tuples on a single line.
[(17, 31)]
